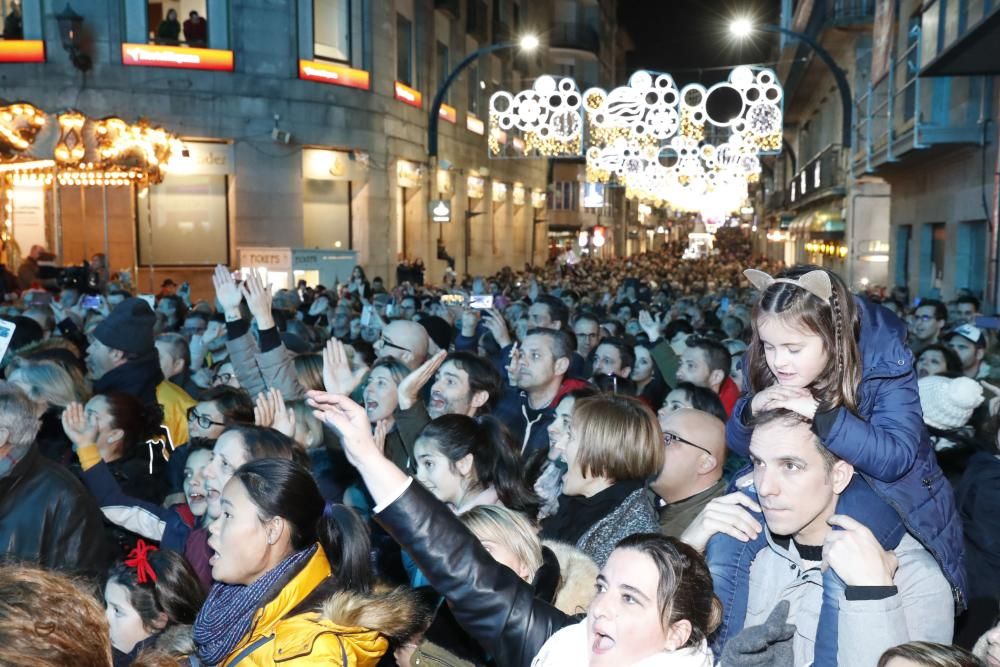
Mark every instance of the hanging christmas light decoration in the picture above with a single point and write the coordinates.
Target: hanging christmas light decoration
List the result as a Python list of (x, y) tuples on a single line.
[(548, 119), (70, 148)]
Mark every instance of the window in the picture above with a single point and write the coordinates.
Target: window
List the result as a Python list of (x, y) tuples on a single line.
[(185, 222), (516, 17), (173, 23), (326, 213), (404, 50), (472, 78), (332, 30), (565, 196), (566, 67), (13, 26), (443, 67)]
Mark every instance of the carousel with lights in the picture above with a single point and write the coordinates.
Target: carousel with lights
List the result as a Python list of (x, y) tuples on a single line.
[(39, 150)]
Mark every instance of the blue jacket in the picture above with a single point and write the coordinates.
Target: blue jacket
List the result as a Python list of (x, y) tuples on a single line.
[(888, 443)]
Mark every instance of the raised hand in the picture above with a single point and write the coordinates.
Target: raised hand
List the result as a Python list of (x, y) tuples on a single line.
[(271, 411), (496, 325), (409, 389), (227, 292), (258, 298), (77, 427), (349, 420), (650, 326), (338, 378)]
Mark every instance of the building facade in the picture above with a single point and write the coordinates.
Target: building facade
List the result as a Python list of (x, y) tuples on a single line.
[(304, 125), (927, 125), (817, 210)]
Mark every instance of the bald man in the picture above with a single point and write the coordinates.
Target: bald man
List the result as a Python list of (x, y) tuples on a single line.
[(695, 448), (405, 340)]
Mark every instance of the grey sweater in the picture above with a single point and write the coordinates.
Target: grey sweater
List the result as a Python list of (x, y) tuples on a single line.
[(921, 610), (634, 515)]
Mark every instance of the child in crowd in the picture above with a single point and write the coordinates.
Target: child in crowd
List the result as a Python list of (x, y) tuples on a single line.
[(844, 364)]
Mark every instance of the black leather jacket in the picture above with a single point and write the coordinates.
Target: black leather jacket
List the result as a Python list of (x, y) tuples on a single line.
[(48, 518), (495, 606)]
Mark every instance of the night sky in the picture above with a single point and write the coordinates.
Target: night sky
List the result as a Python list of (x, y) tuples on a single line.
[(681, 36)]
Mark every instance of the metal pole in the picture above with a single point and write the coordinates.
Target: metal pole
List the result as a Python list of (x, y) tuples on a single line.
[(57, 215), (83, 217), (435, 110), (838, 74)]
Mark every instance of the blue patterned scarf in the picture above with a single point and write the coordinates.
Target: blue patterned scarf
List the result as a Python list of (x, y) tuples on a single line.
[(228, 612)]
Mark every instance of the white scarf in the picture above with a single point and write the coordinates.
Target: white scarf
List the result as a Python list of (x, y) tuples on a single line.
[(569, 648)]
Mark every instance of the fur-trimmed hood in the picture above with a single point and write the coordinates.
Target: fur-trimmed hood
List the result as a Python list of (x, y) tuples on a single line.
[(395, 613), (577, 574)]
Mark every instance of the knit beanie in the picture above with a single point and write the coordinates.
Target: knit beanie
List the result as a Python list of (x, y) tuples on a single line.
[(129, 327), (948, 403), (438, 330)]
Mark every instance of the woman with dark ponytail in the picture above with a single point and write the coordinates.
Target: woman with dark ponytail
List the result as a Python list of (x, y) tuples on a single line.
[(293, 578), (467, 462)]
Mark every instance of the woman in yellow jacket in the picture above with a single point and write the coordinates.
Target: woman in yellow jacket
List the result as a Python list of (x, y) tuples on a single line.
[(294, 585)]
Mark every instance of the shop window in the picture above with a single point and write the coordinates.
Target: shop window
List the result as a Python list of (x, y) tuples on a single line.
[(404, 50), (177, 22), (332, 30), (326, 214), (565, 196), (184, 221), (13, 20)]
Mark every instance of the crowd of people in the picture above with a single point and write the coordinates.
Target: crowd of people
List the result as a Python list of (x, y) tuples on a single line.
[(644, 461)]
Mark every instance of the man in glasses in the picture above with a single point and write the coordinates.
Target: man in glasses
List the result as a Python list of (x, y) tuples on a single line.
[(404, 340), (695, 454), (929, 319)]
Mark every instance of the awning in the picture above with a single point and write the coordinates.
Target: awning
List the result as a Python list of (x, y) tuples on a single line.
[(824, 220), (977, 52)]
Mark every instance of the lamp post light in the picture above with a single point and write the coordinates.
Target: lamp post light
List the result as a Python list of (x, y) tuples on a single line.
[(528, 44), (743, 27), (70, 32)]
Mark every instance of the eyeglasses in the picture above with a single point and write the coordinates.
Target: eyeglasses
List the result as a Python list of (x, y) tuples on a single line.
[(924, 318), (203, 421), (386, 342), (671, 438)]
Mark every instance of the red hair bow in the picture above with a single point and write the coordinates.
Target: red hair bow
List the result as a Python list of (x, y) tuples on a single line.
[(139, 559)]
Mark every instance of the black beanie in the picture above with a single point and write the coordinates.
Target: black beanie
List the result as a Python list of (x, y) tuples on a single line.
[(129, 327), (437, 329)]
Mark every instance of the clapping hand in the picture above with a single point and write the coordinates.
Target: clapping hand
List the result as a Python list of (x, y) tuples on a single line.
[(271, 411), (409, 389), (338, 378), (78, 428)]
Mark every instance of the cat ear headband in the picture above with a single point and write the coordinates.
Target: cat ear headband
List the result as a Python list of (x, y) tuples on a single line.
[(815, 282)]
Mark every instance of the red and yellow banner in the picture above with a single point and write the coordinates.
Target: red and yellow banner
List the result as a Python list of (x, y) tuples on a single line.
[(177, 57), (22, 51), (409, 95), (338, 75), (448, 113)]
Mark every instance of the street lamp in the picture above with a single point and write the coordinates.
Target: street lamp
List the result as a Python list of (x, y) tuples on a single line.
[(743, 27), (527, 43), (71, 34)]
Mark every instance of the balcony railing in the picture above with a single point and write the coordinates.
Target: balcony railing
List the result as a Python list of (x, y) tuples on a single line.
[(574, 36), (849, 12), (903, 112), (822, 176)]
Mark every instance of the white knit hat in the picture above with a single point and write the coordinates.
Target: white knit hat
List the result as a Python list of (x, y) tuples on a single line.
[(948, 403)]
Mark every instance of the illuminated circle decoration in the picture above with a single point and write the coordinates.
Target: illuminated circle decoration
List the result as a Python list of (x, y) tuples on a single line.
[(19, 124)]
